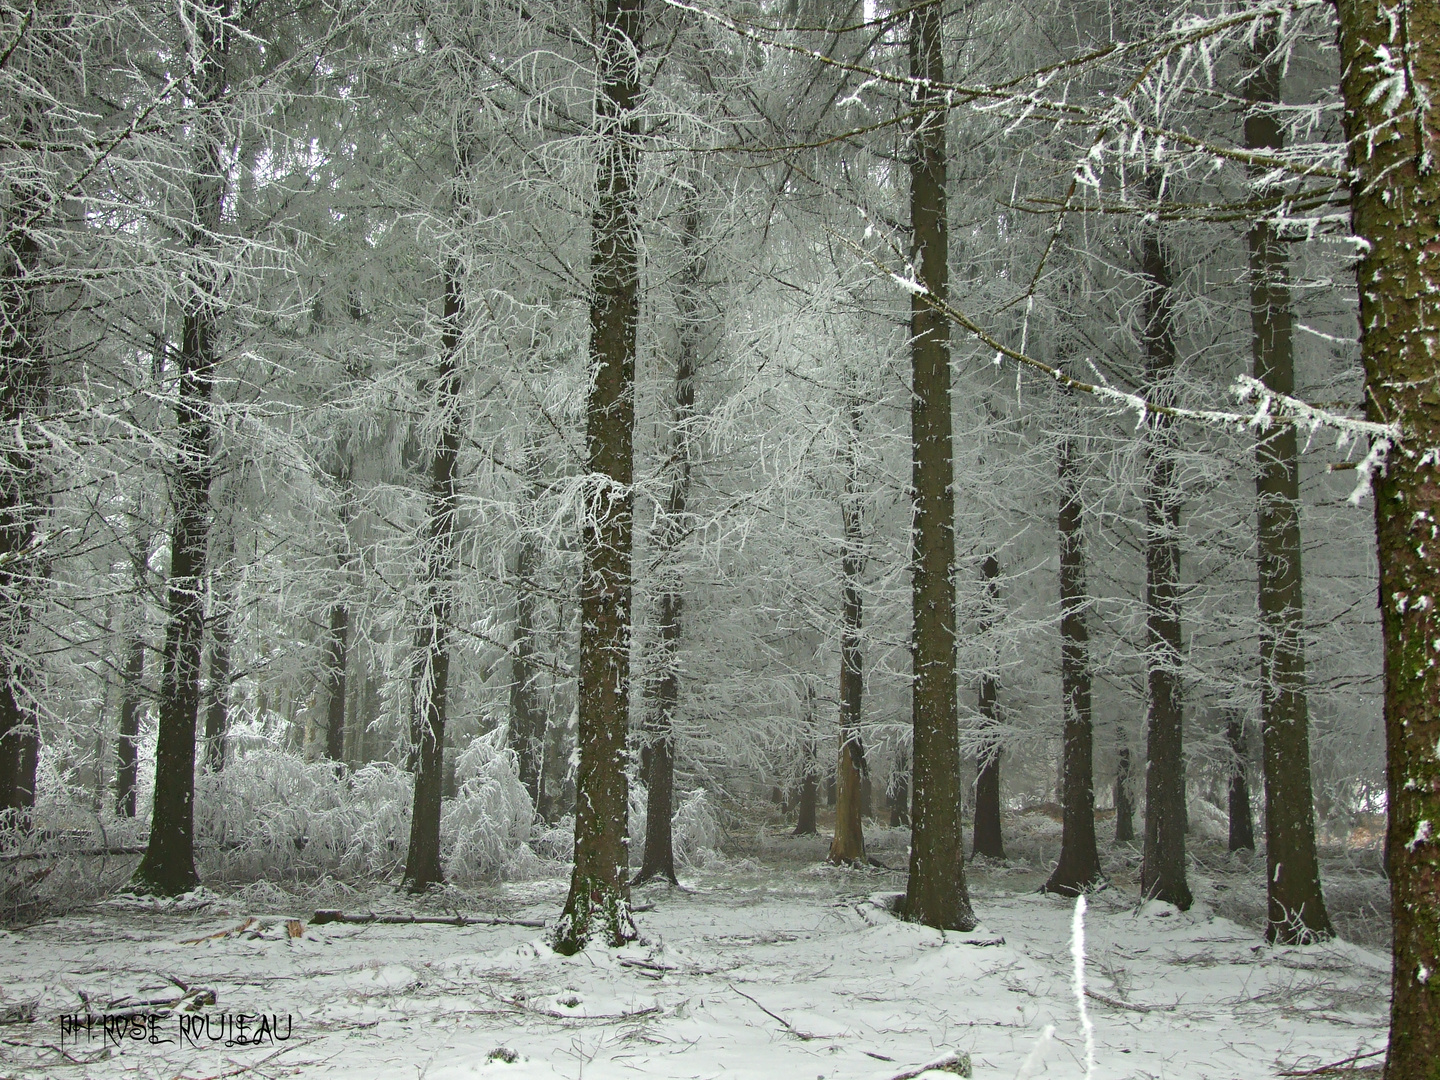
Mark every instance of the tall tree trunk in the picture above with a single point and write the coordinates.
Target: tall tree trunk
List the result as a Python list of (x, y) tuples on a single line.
[(1162, 873), (526, 734), (1124, 799), (217, 709), (1242, 827), (1394, 136), (431, 669), (848, 844), (24, 391), (1079, 865), (168, 866), (659, 856), (988, 839), (599, 902), (132, 686), (936, 894), (900, 790), (337, 641), (1296, 906), (805, 823)]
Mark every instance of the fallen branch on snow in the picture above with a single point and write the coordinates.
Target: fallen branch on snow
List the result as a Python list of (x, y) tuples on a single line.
[(1116, 1003), (1346, 1065), (324, 916), (959, 1064), (803, 1036)]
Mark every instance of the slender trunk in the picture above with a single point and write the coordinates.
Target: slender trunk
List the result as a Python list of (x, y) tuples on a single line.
[(1124, 800), (432, 639), (599, 902), (1079, 865), (848, 844), (526, 733), (988, 839), (659, 856), (1394, 135), (552, 806), (936, 894), (805, 823), (168, 867), (132, 687), (900, 791), (337, 660), (1242, 828), (1296, 905), (217, 710), (24, 391), (1162, 874)]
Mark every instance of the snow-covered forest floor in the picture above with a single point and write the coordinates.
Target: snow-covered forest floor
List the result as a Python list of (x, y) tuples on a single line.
[(765, 963)]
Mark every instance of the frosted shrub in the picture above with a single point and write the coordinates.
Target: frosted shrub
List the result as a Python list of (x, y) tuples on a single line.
[(695, 829), (489, 819), (271, 814)]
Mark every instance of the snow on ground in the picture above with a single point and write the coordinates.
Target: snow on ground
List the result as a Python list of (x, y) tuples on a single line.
[(784, 972)]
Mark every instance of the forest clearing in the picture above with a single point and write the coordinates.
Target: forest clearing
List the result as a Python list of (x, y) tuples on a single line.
[(764, 964)]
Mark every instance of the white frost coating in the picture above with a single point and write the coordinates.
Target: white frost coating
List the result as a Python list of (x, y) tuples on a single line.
[(1422, 834), (1423, 975), (1077, 953)]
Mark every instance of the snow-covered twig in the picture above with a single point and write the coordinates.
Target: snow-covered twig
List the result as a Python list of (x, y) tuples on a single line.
[(1077, 953)]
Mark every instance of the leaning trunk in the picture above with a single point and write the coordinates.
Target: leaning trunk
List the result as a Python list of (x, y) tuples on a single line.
[(1394, 136), (1296, 906), (599, 902), (431, 670), (1079, 865), (936, 893), (1162, 873)]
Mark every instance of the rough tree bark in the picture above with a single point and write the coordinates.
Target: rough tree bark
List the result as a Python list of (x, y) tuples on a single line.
[(217, 709), (168, 866), (1162, 873), (1242, 825), (431, 671), (988, 839), (848, 844), (1079, 865), (337, 641), (659, 857), (936, 894), (1390, 59), (1296, 905), (599, 902), (132, 682)]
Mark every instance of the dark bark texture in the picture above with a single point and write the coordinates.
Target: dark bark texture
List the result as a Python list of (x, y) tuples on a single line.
[(936, 894), (848, 844), (527, 717), (1162, 874), (988, 839), (1396, 209), (598, 906), (168, 866), (1079, 865), (805, 823), (1296, 906), (1242, 825), (431, 671), (1123, 796)]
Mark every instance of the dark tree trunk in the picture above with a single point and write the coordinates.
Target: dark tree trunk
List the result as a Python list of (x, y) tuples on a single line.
[(24, 393), (132, 686), (1394, 136), (936, 894), (1242, 828), (659, 856), (337, 660), (805, 823), (848, 844), (527, 718), (1079, 865), (217, 709), (168, 866), (431, 672), (1124, 799), (988, 840), (598, 906), (900, 792), (1296, 906), (1162, 874), (553, 805)]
